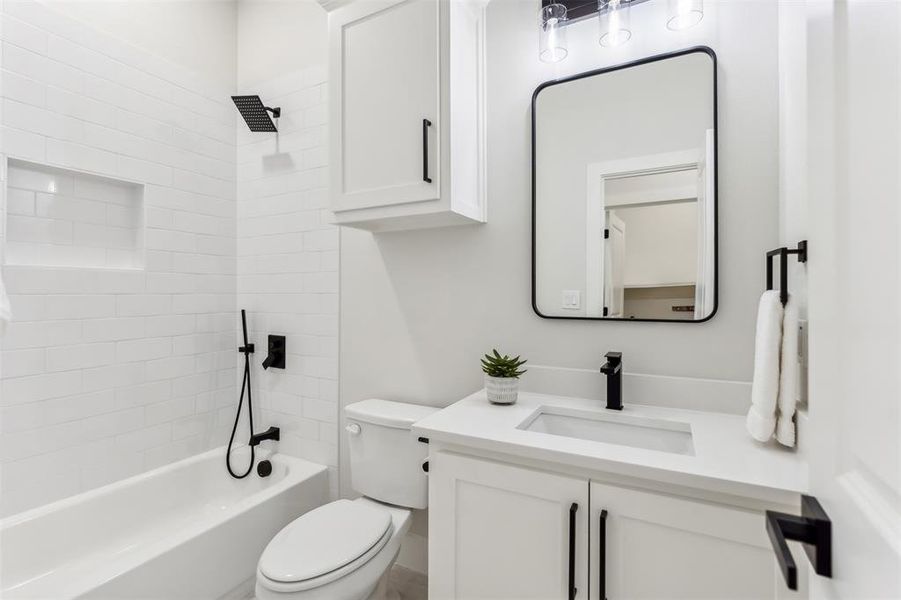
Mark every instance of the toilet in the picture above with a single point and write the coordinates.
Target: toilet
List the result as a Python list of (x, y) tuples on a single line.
[(343, 550)]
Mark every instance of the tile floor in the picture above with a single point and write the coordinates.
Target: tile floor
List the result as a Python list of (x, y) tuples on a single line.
[(408, 584)]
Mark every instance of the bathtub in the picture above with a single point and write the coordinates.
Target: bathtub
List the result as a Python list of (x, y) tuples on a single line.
[(186, 530)]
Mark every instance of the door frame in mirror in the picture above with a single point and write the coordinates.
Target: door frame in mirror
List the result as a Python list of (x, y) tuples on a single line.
[(656, 58)]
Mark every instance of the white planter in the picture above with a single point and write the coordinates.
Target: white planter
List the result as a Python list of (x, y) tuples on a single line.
[(502, 390)]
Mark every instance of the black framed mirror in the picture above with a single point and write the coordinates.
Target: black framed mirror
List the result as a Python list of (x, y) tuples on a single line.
[(624, 192)]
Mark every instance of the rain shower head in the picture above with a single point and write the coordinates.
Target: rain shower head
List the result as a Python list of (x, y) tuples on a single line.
[(255, 114)]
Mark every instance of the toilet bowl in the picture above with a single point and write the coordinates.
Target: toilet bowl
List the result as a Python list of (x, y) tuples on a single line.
[(344, 549), (319, 556)]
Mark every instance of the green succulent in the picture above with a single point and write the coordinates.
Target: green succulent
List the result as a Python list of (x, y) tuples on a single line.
[(502, 366)]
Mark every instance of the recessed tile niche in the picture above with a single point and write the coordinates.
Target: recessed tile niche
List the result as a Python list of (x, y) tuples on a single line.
[(56, 217)]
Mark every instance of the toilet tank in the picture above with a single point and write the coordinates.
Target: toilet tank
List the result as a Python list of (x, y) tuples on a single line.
[(385, 457)]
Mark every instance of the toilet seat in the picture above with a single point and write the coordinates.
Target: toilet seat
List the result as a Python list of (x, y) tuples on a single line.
[(324, 545)]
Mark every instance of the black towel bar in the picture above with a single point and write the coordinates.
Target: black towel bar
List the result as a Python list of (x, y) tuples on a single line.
[(782, 253)]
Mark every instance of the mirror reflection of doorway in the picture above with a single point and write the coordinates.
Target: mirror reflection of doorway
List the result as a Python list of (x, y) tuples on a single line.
[(652, 258), (650, 238), (614, 268)]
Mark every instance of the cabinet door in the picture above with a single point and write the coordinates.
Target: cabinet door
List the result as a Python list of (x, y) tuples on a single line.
[(497, 531), (385, 72), (659, 546)]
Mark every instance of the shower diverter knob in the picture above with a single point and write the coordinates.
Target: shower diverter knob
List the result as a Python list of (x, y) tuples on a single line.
[(352, 429)]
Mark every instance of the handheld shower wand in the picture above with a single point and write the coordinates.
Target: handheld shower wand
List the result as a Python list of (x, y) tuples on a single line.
[(247, 350), (273, 433)]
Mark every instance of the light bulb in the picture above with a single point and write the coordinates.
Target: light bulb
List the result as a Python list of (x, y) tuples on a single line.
[(682, 14), (613, 16), (551, 33)]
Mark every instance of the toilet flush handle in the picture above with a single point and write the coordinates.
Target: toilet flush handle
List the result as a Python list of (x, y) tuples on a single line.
[(352, 429)]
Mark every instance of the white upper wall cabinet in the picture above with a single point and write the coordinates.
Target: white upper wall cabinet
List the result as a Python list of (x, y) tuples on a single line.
[(407, 113)]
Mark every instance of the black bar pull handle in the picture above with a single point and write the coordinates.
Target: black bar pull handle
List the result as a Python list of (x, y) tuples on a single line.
[(602, 556), (813, 529), (425, 150), (572, 550)]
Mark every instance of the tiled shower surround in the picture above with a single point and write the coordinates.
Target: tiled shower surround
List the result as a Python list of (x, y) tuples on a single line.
[(288, 265), (111, 367)]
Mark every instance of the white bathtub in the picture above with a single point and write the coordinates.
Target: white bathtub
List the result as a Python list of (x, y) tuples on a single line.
[(186, 530)]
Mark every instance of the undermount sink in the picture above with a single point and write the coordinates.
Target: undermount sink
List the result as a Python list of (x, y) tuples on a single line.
[(612, 428)]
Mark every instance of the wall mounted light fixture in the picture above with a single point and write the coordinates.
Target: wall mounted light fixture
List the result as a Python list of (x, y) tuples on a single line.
[(683, 14), (613, 17), (551, 34)]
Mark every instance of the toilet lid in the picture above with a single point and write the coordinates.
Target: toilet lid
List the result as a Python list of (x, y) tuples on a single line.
[(323, 540)]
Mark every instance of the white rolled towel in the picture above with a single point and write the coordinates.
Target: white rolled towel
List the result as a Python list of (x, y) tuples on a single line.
[(761, 421), (788, 376)]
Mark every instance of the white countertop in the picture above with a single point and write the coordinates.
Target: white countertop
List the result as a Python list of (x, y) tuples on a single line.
[(726, 459)]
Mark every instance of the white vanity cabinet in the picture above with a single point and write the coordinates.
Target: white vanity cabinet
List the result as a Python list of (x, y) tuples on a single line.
[(407, 125), (498, 530), (653, 546)]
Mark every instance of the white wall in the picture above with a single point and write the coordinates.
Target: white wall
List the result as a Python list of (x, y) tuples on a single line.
[(287, 250), (278, 37), (106, 372), (418, 308), (661, 244), (197, 34), (793, 132)]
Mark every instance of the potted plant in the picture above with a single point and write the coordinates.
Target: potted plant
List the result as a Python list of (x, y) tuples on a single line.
[(502, 377)]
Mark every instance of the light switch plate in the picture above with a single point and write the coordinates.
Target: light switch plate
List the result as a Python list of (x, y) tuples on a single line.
[(572, 299)]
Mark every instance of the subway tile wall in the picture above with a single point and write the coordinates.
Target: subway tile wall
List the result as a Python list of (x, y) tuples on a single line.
[(61, 218), (107, 372), (288, 265)]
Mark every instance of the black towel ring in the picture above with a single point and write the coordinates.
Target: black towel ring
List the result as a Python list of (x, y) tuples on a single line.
[(782, 253)]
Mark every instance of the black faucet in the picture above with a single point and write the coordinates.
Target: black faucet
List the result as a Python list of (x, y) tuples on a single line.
[(613, 369), (273, 433)]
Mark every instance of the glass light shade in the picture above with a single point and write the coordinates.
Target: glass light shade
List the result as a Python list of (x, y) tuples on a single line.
[(682, 14), (614, 20), (552, 33)]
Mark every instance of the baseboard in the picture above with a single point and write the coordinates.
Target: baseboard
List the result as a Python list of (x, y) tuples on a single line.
[(243, 591), (414, 553)]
